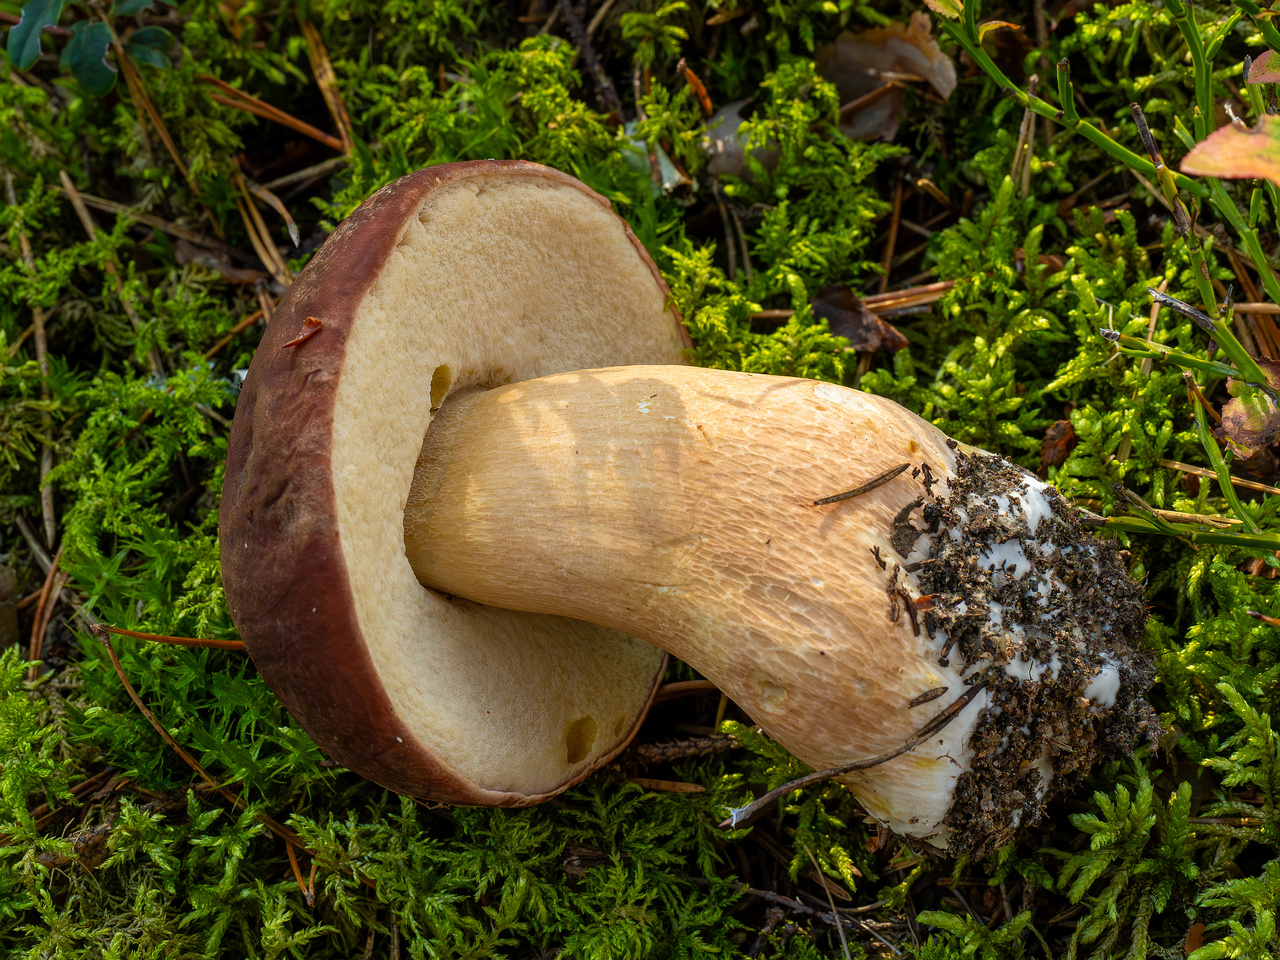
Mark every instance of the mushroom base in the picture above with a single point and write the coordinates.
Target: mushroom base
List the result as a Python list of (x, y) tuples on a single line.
[(1026, 601)]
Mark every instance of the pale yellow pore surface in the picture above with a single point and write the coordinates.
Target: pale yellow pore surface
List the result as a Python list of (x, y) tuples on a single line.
[(500, 278), (676, 504)]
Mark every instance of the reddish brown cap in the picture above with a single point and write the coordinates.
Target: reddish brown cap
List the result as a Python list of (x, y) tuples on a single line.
[(458, 277)]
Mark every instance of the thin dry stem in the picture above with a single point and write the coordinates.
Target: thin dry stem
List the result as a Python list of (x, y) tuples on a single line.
[(830, 901), (86, 221), (42, 361), (1212, 475), (892, 240), (261, 242), (279, 829), (743, 814), (169, 227)]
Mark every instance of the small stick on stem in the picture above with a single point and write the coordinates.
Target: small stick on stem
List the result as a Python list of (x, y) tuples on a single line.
[(927, 696), (871, 484), (742, 814)]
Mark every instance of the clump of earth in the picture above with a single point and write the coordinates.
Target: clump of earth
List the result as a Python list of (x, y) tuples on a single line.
[(1015, 593)]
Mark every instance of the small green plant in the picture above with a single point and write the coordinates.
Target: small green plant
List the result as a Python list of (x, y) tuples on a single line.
[(91, 41)]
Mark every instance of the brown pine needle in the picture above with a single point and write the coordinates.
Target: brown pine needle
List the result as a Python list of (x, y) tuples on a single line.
[(259, 235), (830, 901), (668, 786), (1211, 475), (42, 361), (41, 619), (173, 229), (276, 204), (327, 81), (139, 95), (264, 250), (891, 242), (308, 889), (174, 641), (247, 102), (239, 328), (910, 297), (697, 86), (86, 221), (101, 632)]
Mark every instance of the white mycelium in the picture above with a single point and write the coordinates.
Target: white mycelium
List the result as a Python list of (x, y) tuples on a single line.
[(1028, 557)]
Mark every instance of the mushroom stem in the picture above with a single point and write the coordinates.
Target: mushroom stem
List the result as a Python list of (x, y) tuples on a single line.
[(676, 504)]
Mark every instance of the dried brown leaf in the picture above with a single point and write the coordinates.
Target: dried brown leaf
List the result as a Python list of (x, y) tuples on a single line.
[(1058, 442), (849, 317), (1238, 153), (1265, 68), (858, 60), (1249, 423)]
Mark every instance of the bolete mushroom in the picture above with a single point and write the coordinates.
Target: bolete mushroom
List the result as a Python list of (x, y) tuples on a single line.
[(472, 495)]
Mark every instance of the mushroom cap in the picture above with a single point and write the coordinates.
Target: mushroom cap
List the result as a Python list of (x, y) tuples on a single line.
[(457, 277)]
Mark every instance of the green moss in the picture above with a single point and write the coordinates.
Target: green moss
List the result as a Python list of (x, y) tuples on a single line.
[(153, 865)]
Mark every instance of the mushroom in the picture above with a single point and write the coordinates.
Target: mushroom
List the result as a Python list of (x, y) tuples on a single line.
[(472, 495)]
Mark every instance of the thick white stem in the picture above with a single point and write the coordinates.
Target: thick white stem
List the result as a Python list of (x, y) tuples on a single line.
[(677, 504)]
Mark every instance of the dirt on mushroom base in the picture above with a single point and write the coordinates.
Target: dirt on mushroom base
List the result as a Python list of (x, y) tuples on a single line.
[(1012, 585)]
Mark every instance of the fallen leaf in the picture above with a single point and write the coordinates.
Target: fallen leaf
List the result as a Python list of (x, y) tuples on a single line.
[(1238, 153), (1265, 68), (951, 9), (849, 317), (1249, 424), (1195, 937), (1059, 440), (1258, 567), (990, 25), (858, 61)]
